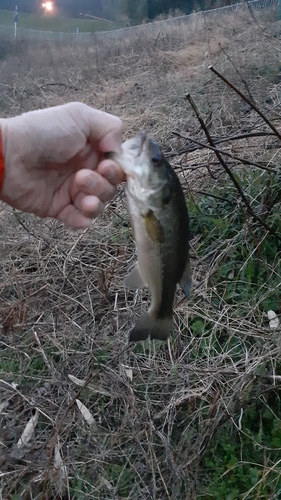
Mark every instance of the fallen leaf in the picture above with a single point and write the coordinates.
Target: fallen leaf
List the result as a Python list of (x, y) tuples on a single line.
[(3, 406), (28, 431), (85, 412), (129, 373), (76, 381), (81, 383), (273, 319)]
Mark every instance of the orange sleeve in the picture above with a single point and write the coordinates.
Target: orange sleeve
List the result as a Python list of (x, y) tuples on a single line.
[(2, 167)]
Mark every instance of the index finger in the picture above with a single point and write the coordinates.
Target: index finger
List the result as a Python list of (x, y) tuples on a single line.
[(111, 171)]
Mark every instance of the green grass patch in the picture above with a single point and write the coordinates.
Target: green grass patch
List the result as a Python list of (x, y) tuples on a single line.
[(246, 459), (242, 256), (52, 23)]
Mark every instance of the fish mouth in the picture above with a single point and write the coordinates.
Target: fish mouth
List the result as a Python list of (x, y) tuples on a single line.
[(133, 149), (148, 147), (139, 155)]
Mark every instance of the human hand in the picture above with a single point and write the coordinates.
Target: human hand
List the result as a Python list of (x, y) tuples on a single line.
[(54, 162)]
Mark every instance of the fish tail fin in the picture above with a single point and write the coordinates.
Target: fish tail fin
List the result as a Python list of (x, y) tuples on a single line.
[(151, 326)]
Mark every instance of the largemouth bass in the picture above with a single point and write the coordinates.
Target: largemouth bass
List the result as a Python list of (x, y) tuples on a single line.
[(161, 231)]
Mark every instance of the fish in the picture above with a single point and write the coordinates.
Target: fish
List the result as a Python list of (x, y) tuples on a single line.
[(160, 224)]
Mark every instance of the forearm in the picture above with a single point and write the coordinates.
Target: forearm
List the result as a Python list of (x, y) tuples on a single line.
[(14, 189), (2, 160)]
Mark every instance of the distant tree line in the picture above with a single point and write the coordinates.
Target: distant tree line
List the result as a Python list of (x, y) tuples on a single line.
[(157, 7), (134, 10)]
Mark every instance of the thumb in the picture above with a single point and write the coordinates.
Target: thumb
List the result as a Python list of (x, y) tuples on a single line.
[(107, 132), (103, 130)]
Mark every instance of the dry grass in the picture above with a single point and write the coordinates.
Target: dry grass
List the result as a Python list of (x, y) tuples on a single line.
[(155, 408)]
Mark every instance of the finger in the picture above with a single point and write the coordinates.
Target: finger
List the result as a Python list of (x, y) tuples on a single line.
[(111, 171), (104, 130), (112, 140), (72, 217), (92, 183), (89, 206)]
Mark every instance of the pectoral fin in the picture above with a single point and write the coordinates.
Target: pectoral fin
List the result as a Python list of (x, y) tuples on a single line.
[(185, 281), (134, 279), (153, 227)]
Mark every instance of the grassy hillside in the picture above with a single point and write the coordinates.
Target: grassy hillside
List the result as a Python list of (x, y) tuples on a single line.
[(52, 23), (197, 417)]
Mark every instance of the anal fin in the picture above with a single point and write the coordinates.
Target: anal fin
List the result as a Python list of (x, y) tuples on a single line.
[(185, 281), (134, 279)]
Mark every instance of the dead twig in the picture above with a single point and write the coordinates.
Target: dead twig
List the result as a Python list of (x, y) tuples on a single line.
[(238, 158), (237, 71), (218, 140), (248, 101), (67, 85), (232, 177), (216, 197)]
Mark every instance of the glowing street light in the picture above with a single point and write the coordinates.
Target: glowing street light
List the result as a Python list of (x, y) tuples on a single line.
[(48, 6)]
